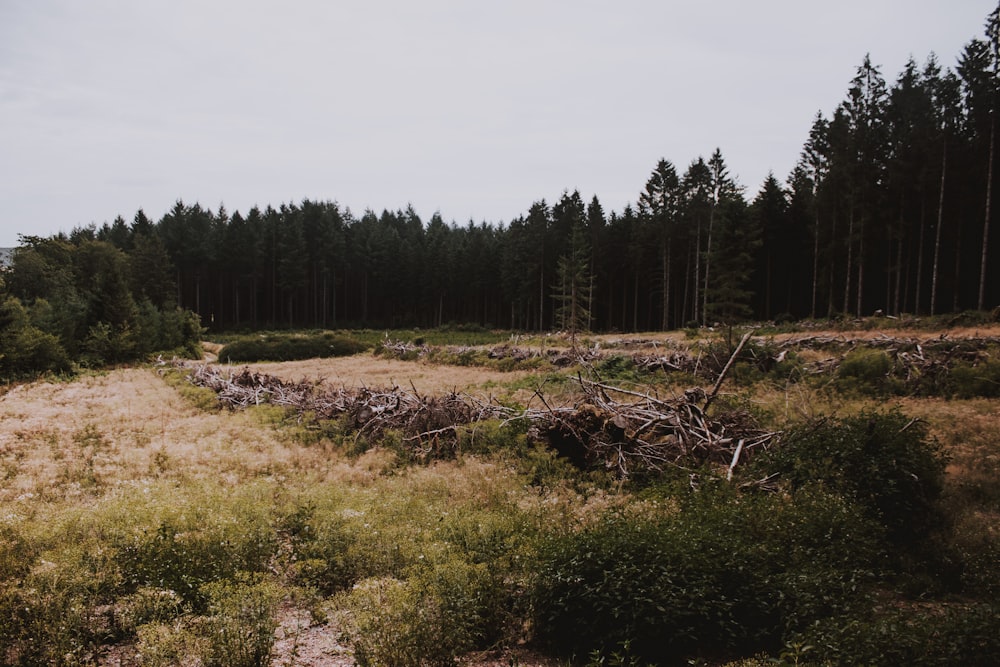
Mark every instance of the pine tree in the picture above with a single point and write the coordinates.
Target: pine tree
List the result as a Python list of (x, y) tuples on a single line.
[(659, 204), (573, 286)]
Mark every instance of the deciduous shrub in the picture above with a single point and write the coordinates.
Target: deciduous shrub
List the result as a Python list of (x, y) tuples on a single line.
[(290, 347), (867, 372), (181, 542), (242, 621), (729, 575), (969, 381), (919, 635), (430, 618), (884, 461)]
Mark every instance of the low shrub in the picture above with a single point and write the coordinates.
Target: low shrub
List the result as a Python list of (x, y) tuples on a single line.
[(916, 635), (242, 621), (967, 380), (729, 575), (430, 618), (866, 372), (180, 542), (290, 347), (884, 461)]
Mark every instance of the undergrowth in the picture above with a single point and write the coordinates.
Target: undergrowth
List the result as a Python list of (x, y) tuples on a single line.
[(862, 551)]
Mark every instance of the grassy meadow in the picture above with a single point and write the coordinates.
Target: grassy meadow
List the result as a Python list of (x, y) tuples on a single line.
[(143, 524)]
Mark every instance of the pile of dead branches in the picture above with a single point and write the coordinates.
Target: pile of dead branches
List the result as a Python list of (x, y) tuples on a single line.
[(400, 349), (623, 431), (635, 434), (674, 361), (918, 367), (369, 411)]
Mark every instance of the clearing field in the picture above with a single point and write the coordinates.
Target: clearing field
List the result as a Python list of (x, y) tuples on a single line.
[(140, 522)]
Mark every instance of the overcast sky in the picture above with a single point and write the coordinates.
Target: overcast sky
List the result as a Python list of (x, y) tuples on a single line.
[(473, 109)]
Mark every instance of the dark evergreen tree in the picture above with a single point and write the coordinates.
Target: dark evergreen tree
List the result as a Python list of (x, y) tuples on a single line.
[(659, 204)]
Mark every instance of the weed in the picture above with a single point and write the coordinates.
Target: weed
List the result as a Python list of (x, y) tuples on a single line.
[(242, 621)]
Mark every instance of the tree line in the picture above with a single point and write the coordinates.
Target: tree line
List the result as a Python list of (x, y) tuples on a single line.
[(889, 208)]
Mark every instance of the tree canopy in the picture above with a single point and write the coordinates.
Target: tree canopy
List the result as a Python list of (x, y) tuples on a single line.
[(888, 209)]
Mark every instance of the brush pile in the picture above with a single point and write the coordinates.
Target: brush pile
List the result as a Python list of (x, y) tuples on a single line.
[(622, 431), (634, 434), (372, 411)]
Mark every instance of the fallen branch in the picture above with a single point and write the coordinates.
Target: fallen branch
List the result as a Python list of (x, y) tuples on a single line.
[(725, 371)]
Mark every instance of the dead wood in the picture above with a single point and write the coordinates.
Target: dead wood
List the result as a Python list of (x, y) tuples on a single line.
[(624, 431)]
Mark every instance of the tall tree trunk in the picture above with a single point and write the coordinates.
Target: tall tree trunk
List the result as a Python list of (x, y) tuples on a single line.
[(541, 300), (897, 295), (767, 286), (624, 303), (664, 324), (831, 287), (708, 264), (696, 315), (861, 263), (986, 218), (937, 231), (850, 249), (815, 276), (956, 290), (687, 290), (635, 303), (918, 290), (364, 297)]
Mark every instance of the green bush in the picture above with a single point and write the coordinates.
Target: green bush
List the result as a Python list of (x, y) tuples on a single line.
[(883, 461), (242, 621), (180, 543), (729, 575), (430, 618), (25, 350), (866, 372), (51, 615), (289, 347), (970, 381), (931, 635)]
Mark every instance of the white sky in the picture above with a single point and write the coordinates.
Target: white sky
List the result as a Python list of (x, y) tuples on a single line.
[(473, 109)]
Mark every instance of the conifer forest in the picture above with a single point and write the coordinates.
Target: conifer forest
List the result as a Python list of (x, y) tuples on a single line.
[(889, 209)]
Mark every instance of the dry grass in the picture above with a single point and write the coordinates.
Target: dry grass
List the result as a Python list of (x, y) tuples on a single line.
[(75, 441), (75, 449), (371, 371), (71, 445)]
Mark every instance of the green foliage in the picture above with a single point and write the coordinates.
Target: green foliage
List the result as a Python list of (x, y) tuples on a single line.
[(885, 462), (618, 368), (169, 329), (757, 361), (492, 436), (290, 347), (81, 309), (967, 380), (202, 398), (167, 644), (46, 619), (241, 621), (866, 372), (729, 574), (182, 542), (144, 606), (920, 635), (430, 618), (25, 350)]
